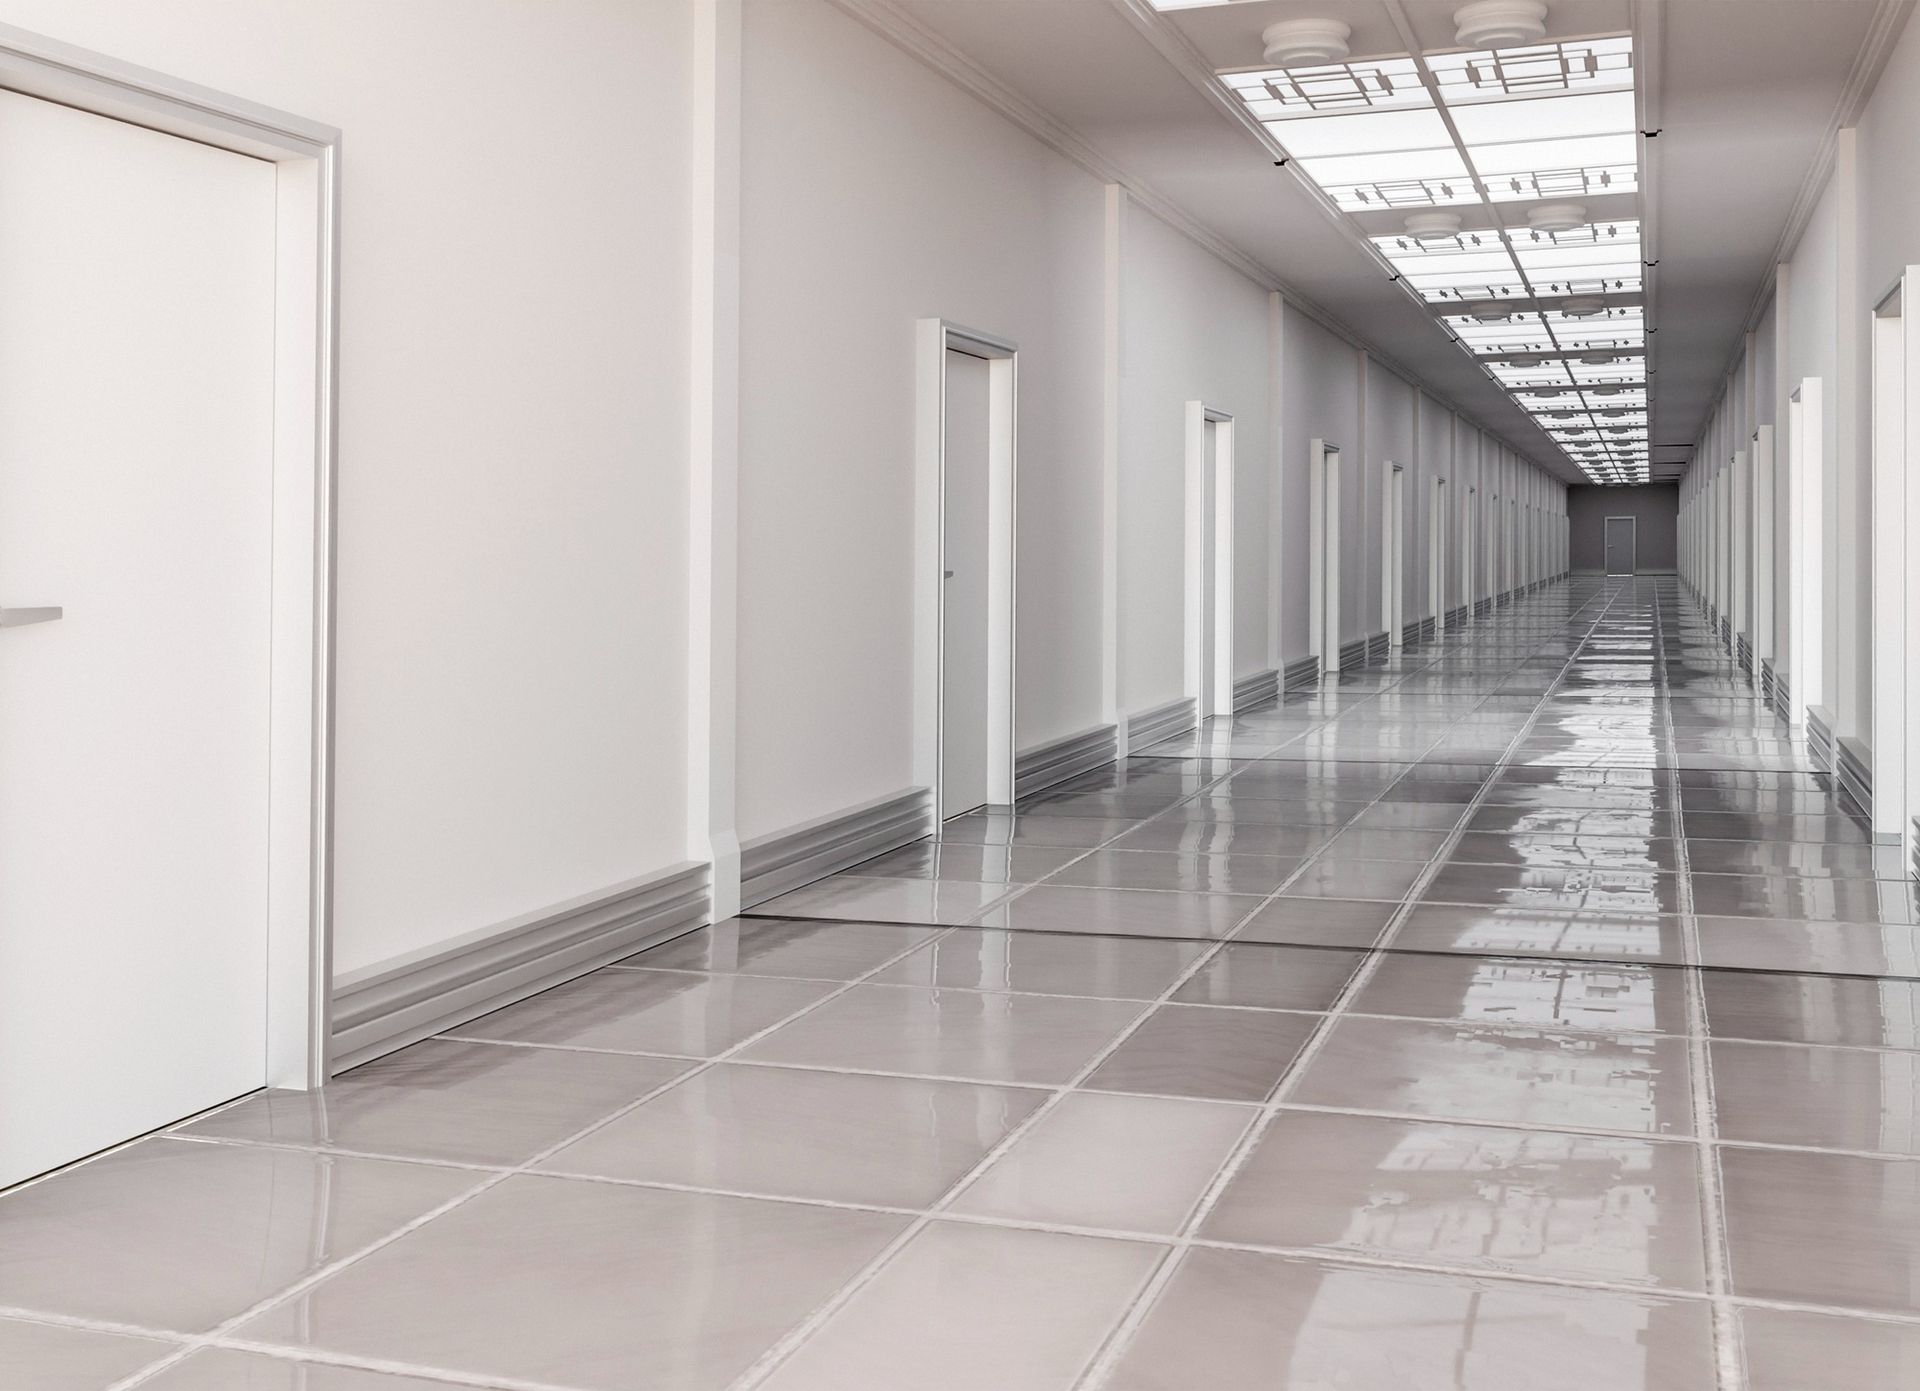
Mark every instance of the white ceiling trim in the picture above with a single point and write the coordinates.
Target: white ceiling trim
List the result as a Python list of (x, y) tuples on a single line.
[(917, 41), (1889, 18)]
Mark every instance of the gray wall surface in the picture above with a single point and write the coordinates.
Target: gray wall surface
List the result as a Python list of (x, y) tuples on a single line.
[(1655, 505)]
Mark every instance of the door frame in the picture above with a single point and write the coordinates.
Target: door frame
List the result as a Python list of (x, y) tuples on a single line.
[(934, 339), (1806, 562), (306, 159), (1209, 501), (1393, 556), (1437, 556), (1606, 524), (1323, 549), (1893, 406)]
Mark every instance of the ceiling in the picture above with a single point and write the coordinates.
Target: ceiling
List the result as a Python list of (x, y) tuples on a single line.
[(1743, 93)]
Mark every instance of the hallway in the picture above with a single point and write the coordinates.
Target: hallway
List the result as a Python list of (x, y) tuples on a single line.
[(1523, 1002)]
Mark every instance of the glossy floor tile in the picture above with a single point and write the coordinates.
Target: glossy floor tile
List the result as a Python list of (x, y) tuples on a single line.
[(172, 1235), (968, 1306), (1041, 1039), (1488, 1018), (50, 1357), (783, 1132), (1238, 1320), (1125, 1163), (473, 1103), (1481, 1197), (540, 1278)]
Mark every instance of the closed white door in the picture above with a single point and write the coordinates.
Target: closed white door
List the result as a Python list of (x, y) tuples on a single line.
[(136, 337), (963, 624)]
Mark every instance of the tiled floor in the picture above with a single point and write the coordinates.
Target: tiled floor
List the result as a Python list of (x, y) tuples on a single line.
[(1523, 1013)]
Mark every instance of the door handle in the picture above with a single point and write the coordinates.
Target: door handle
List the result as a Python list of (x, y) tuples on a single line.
[(20, 618)]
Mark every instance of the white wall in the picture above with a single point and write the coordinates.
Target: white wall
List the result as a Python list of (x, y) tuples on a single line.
[(868, 204), (1192, 329), (512, 434), (1391, 404), (1321, 394)]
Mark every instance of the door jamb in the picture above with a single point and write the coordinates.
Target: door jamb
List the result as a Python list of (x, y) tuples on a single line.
[(1212, 690), (306, 159), (934, 338)]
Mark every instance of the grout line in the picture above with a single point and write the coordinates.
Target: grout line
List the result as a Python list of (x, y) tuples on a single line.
[(1729, 1367)]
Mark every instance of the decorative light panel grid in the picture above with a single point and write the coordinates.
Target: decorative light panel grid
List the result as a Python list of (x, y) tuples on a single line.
[(1549, 302)]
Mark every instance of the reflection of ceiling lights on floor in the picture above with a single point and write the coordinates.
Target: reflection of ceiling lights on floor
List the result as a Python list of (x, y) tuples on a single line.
[(1501, 183)]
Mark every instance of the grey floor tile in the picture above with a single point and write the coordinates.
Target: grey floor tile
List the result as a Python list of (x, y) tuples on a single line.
[(1806, 900), (848, 896), (981, 864), (1387, 880), (590, 1285), (1537, 1202), (1787, 1350), (1580, 1081), (783, 947), (1118, 968), (1782, 1008), (1225, 838), (1566, 852), (1764, 944), (782, 1132), (1260, 975), (1154, 869), (47, 1357), (1835, 828), (1230, 1320), (1831, 1229), (1549, 994), (1020, 828), (1597, 890), (1827, 1098), (473, 1103), (968, 1034), (971, 1306), (1123, 912), (1123, 1163), (1409, 816), (1202, 1051), (650, 1011), (1803, 859), (1318, 922), (177, 1235), (225, 1369), (1630, 938)]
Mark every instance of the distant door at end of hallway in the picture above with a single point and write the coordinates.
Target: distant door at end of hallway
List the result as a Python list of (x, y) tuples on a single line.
[(1620, 537), (136, 526), (964, 637)]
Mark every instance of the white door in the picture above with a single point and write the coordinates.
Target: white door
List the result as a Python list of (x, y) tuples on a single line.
[(964, 625), (136, 338), (1394, 556)]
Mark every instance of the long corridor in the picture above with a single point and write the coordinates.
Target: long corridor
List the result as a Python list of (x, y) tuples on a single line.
[(1523, 1012)]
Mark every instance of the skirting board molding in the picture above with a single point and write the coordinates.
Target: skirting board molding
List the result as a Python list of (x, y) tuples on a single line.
[(388, 1006), (1162, 722), (1302, 671), (782, 860), (1820, 736), (1257, 689), (1043, 765)]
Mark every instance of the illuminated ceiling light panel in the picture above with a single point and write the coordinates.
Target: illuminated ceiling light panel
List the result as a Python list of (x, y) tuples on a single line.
[(1546, 123)]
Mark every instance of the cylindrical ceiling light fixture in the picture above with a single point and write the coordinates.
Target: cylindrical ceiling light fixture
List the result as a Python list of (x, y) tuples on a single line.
[(1433, 226), (1500, 23), (1490, 311), (1306, 42), (1557, 217), (1582, 307)]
